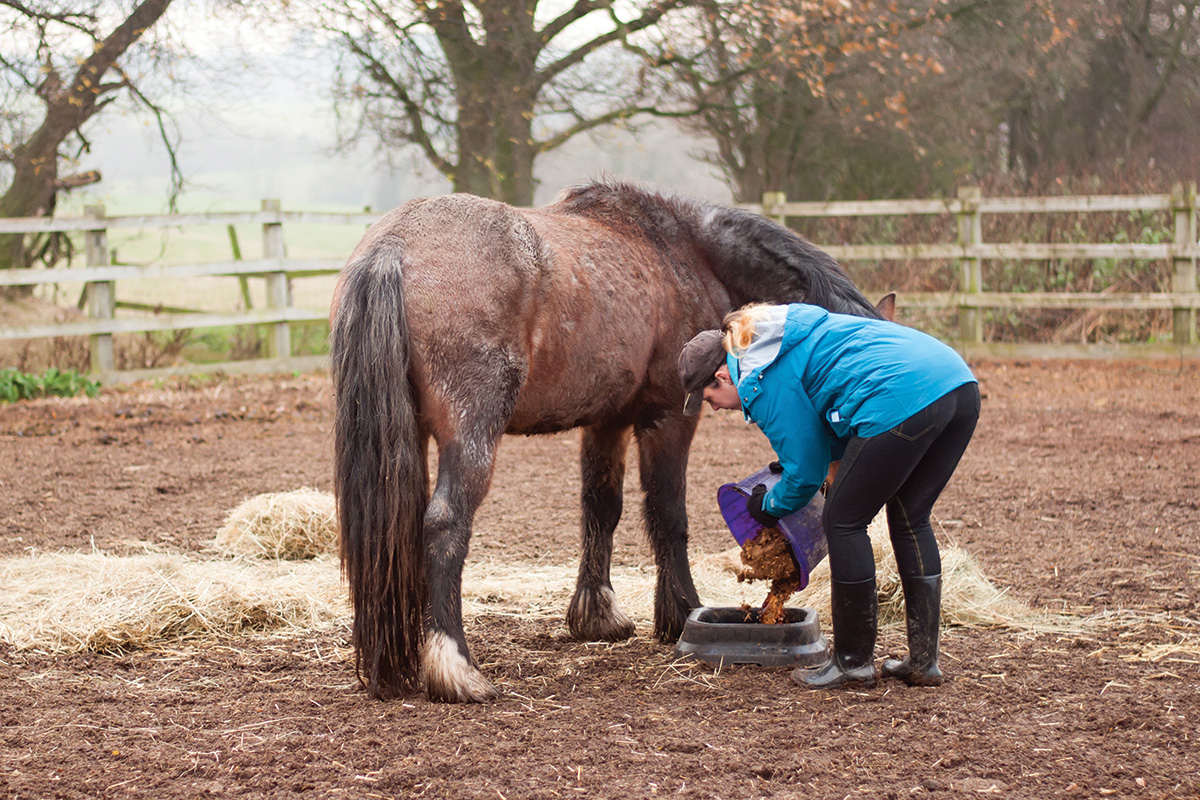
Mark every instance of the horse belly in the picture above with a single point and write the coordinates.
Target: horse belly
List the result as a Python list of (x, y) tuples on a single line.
[(589, 379), (593, 336)]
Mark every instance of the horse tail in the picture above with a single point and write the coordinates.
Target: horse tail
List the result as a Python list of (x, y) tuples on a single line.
[(380, 474)]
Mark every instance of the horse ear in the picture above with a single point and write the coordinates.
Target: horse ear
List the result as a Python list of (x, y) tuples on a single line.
[(887, 306)]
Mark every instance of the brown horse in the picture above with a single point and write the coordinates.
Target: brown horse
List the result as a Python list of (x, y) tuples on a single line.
[(463, 319)]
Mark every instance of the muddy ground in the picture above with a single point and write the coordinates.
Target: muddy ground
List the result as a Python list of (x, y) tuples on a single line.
[(1080, 493)]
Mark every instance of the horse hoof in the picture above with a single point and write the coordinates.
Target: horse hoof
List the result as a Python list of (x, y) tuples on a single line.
[(668, 624), (668, 633), (594, 616), (450, 677), (476, 689)]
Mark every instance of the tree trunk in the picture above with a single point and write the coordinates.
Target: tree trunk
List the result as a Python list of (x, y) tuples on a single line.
[(496, 90), (497, 161)]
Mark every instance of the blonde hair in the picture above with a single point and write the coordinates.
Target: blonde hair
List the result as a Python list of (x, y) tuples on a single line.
[(738, 327)]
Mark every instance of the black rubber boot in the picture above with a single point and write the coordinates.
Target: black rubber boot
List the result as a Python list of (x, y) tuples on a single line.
[(923, 613), (854, 608)]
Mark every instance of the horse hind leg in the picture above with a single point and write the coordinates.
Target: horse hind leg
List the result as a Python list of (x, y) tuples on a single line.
[(464, 474), (663, 456), (594, 614)]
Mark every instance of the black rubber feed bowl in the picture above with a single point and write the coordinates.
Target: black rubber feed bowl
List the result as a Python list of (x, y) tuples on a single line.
[(727, 636)]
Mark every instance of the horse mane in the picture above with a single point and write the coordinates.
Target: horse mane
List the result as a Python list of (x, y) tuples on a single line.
[(624, 206), (754, 257), (759, 260)]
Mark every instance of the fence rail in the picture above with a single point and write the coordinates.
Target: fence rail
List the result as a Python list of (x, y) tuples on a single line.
[(968, 251)]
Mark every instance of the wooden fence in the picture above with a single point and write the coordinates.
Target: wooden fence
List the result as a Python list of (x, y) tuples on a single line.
[(969, 251), (969, 297), (101, 277)]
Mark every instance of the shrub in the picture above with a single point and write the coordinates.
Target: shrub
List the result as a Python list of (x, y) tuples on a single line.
[(16, 385)]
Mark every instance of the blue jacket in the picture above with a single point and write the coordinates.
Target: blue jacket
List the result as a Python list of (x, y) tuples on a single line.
[(811, 380)]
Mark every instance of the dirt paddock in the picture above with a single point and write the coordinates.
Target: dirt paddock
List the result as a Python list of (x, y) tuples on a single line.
[(1080, 494)]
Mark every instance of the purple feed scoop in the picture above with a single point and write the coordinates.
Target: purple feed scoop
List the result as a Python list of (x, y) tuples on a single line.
[(802, 529)]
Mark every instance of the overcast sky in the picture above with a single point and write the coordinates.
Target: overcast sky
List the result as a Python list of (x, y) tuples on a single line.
[(263, 127)]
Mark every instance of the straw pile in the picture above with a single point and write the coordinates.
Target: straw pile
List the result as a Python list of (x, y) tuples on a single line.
[(286, 525), (103, 603)]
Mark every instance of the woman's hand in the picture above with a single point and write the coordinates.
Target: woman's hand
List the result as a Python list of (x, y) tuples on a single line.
[(754, 506), (830, 478)]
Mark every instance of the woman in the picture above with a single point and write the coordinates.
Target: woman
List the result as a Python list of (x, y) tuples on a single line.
[(896, 407)]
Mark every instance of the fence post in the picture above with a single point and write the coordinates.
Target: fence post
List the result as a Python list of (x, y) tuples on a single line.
[(1183, 202), (970, 269), (101, 295), (773, 202), (243, 281), (279, 343)]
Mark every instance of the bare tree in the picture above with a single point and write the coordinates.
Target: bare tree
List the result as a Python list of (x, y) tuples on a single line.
[(1042, 89), (1124, 84), (809, 97), (65, 65), (822, 99), (482, 88)]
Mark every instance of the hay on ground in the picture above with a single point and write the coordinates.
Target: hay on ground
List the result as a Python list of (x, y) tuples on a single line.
[(103, 603), (285, 525)]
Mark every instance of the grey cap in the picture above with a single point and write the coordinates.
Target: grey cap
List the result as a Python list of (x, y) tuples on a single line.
[(699, 360)]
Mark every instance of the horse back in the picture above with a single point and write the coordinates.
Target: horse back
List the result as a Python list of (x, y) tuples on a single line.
[(612, 310), (584, 319)]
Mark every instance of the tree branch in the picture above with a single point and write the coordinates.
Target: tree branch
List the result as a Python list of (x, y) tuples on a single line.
[(569, 17), (78, 179), (1167, 70), (586, 124), (79, 102), (81, 22), (164, 136), (412, 110), (619, 33)]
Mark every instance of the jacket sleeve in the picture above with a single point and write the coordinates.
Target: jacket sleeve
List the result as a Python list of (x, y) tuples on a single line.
[(801, 442)]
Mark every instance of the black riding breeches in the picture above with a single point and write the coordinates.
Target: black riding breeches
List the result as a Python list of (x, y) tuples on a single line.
[(905, 469)]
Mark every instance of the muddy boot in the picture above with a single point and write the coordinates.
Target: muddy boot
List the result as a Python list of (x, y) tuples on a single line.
[(922, 610), (854, 608)]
